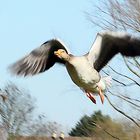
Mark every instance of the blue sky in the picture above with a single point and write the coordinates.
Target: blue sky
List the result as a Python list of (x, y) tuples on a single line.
[(27, 24)]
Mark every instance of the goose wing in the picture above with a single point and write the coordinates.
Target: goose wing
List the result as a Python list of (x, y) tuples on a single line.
[(39, 60), (108, 44)]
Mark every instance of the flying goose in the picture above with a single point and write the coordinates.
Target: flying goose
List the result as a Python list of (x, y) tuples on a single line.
[(83, 70)]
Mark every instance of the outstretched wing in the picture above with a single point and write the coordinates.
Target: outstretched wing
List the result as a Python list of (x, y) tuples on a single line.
[(108, 44), (39, 60)]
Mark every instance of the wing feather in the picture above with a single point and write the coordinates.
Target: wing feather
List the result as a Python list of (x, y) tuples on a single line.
[(39, 60), (108, 44)]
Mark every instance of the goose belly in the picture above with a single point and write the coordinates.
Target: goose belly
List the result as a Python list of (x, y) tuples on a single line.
[(83, 75)]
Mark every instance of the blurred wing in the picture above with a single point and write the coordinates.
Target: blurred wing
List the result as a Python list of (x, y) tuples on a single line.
[(38, 60), (108, 44)]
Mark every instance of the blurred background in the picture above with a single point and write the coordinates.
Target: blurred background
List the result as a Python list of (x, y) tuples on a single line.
[(49, 105)]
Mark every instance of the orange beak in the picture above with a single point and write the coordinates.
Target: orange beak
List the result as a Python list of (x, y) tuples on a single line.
[(57, 53)]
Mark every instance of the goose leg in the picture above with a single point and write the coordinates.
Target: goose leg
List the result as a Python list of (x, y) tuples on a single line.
[(101, 94), (90, 96)]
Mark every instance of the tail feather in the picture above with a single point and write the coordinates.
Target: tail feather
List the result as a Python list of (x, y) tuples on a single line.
[(107, 80), (104, 83)]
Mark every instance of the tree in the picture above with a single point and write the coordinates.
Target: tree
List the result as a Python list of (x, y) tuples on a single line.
[(99, 126), (42, 127), (121, 15), (17, 110), (16, 114), (3, 133)]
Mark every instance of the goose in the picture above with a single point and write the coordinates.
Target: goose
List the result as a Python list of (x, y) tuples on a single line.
[(83, 70)]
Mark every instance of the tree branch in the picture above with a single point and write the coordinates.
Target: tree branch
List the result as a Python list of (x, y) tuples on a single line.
[(121, 83), (121, 112), (130, 68), (124, 76), (98, 126), (125, 99)]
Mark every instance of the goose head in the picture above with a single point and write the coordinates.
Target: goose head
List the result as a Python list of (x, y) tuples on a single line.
[(62, 54)]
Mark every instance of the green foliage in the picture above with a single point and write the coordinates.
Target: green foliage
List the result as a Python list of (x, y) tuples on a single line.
[(11, 137), (97, 125), (86, 126)]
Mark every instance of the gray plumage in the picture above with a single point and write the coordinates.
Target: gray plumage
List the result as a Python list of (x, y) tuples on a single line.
[(39, 60), (105, 47), (108, 44), (83, 70)]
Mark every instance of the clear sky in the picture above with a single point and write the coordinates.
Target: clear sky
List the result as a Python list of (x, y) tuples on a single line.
[(26, 24)]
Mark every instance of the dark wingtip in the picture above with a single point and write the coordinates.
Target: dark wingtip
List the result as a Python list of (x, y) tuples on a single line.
[(12, 70), (15, 70)]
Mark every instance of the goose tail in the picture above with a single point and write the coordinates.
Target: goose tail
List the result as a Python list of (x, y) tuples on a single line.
[(105, 83), (108, 81)]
